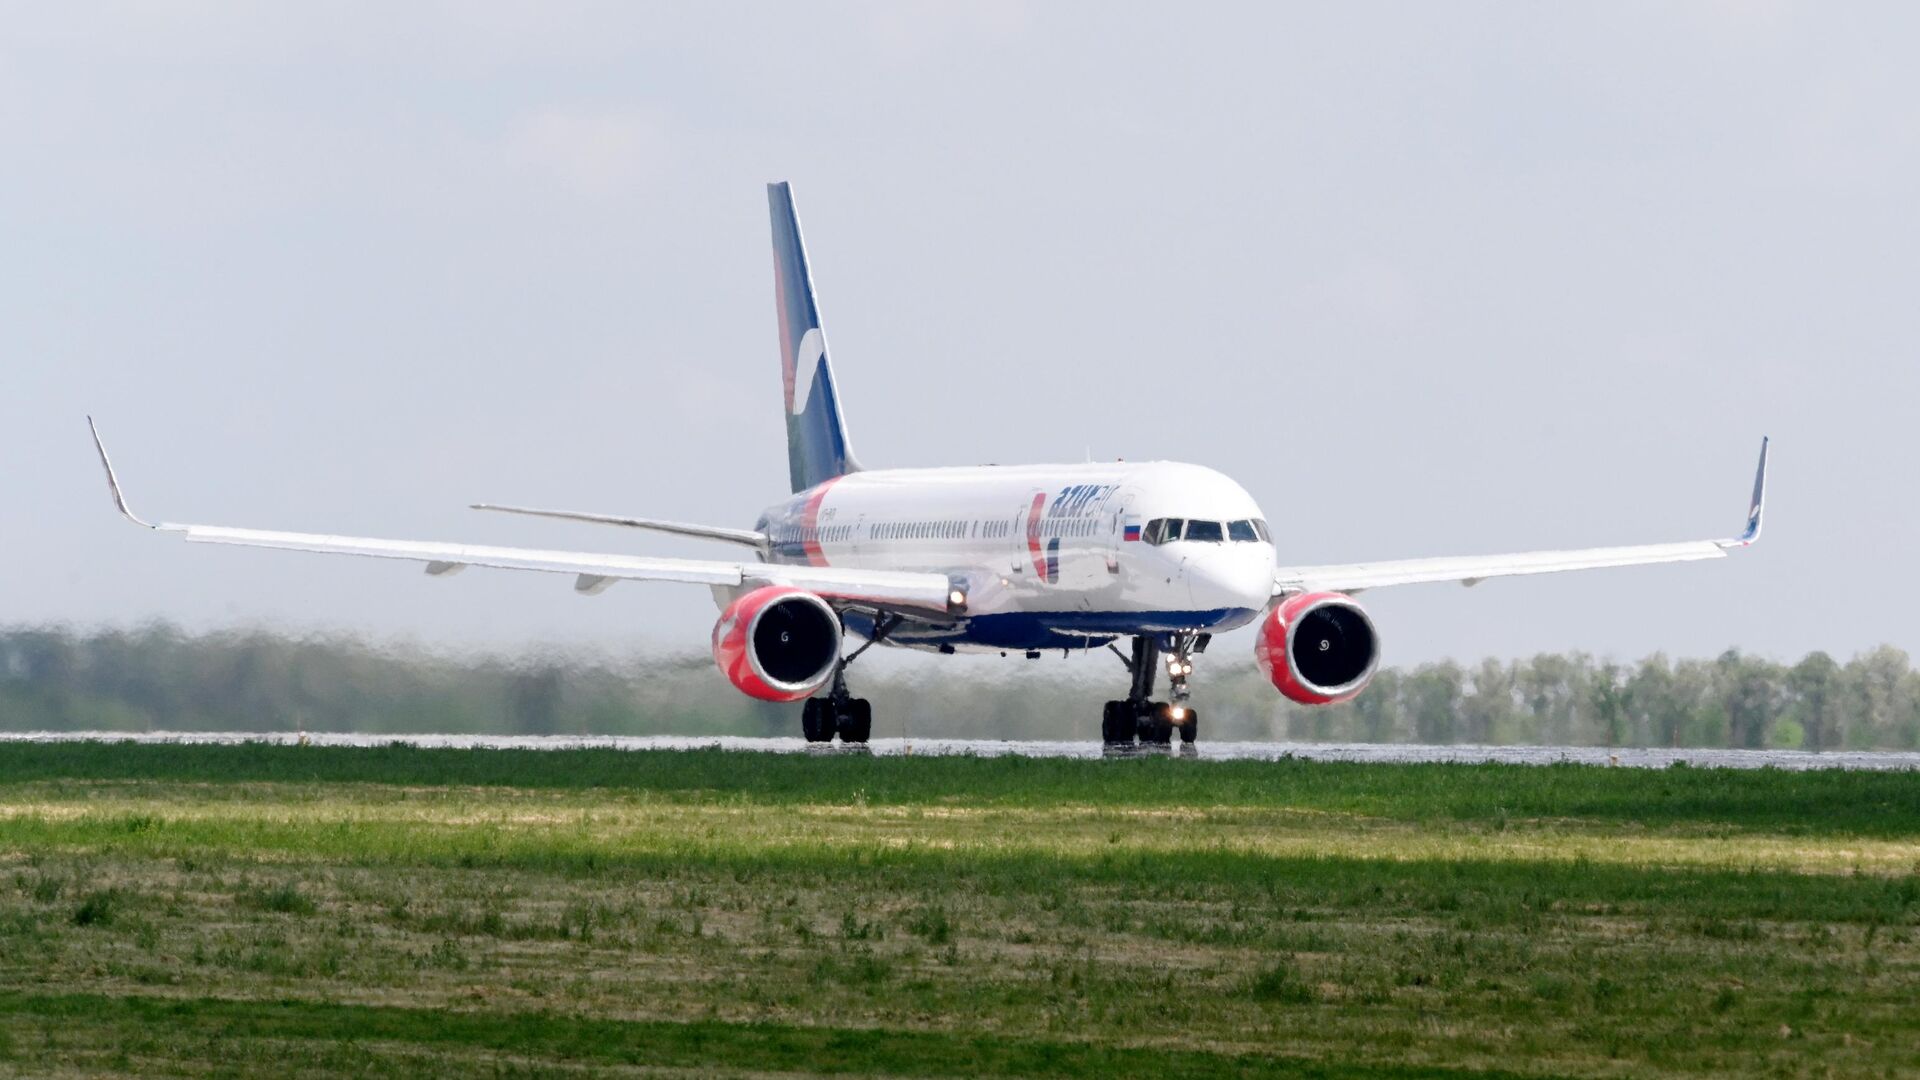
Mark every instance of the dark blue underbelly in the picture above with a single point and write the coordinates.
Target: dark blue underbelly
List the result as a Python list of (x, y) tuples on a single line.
[(1053, 629)]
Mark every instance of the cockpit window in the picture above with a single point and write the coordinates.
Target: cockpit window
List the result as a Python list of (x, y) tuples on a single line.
[(1167, 530), (1208, 532)]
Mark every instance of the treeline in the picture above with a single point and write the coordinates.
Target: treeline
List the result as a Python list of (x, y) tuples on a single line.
[(157, 678), (1871, 702)]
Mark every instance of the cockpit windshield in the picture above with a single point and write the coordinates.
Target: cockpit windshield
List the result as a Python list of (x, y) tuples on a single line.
[(1205, 531), (1169, 530)]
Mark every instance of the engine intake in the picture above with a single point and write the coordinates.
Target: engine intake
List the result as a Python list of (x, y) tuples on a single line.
[(777, 643), (1318, 648)]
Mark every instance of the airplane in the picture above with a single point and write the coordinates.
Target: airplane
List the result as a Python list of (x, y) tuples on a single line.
[(1158, 555)]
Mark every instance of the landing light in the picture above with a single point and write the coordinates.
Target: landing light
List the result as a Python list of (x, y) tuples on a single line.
[(957, 598), (1177, 713)]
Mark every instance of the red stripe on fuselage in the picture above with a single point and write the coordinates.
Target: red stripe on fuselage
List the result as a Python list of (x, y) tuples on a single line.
[(810, 524), (1033, 535)]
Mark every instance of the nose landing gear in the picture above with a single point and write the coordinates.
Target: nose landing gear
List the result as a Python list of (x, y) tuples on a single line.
[(1139, 717)]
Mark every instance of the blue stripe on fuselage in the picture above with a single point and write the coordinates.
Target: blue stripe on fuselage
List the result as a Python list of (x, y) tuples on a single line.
[(1054, 629)]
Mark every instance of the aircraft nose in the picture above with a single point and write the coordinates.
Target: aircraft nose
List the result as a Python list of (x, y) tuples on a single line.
[(1237, 576)]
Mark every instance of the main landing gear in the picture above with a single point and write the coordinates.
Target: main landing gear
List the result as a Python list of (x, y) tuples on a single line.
[(1154, 723), (839, 712)]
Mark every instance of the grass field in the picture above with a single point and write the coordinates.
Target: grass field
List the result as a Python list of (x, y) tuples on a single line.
[(299, 911)]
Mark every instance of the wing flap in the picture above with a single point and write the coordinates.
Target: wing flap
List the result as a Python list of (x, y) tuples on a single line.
[(634, 567), (1472, 569), (884, 588)]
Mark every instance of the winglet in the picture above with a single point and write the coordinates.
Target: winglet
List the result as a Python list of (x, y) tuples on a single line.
[(1757, 507), (113, 482)]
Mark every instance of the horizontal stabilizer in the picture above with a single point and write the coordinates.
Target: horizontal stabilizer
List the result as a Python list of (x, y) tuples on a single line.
[(704, 532)]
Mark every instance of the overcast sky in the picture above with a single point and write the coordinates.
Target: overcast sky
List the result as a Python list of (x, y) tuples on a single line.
[(1427, 279)]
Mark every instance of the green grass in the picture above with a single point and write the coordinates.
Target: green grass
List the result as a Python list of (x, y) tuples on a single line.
[(301, 911), (230, 1035), (1825, 802)]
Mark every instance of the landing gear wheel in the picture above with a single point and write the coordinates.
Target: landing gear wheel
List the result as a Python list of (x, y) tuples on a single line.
[(1190, 727), (854, 718), (816, 721), (1155, 727), (1117, 724)]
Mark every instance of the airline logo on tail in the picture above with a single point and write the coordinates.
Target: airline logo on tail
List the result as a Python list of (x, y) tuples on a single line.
[(804, 370)]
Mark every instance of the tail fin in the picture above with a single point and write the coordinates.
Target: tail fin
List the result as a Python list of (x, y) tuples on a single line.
[(817, 449)]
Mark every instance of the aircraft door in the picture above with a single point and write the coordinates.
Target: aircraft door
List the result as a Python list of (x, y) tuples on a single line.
[(1113, 538)]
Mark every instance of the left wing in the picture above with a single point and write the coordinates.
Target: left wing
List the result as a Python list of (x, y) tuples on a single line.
[(885, 590), (1472, 569)]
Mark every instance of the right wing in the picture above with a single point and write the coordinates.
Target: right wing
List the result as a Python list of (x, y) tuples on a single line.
[(884, 590), (1473, 569)]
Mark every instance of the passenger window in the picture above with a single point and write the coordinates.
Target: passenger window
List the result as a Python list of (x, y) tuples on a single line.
[(1241, 532), (1207, 532)]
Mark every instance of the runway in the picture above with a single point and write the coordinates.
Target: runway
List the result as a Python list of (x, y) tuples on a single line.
[(1640, 758)]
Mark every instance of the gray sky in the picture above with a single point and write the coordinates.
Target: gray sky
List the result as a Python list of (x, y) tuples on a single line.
[(1427, 279)]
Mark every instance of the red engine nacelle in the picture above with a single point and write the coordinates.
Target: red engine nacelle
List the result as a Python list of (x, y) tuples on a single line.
[(777, 643), (1318, 648)]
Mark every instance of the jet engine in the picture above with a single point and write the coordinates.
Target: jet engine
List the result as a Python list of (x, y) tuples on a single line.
[(1318, 648), (777, 643)]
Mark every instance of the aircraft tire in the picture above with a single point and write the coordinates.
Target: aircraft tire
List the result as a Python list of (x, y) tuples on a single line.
[(816, 722), (1117, 724), (1190, 730), (1155, 728), (856, 721)]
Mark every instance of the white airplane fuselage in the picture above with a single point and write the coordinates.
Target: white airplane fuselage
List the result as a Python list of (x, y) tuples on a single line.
[(1051, 556)]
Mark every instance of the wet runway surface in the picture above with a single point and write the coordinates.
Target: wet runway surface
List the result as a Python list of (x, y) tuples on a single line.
[(1206, 751)]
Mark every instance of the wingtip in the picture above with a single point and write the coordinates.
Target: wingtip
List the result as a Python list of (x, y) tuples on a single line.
[(1757, 505), (113, 481)]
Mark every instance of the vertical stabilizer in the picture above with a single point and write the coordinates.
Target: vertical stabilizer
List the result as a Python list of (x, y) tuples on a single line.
[(817, 449)]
